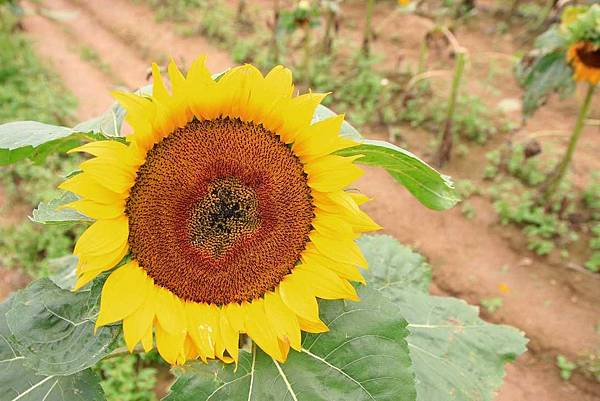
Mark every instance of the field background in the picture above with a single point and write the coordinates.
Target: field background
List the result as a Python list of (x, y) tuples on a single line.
[(92, 47)]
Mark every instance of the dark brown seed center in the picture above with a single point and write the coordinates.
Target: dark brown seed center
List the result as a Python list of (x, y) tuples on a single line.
[(220, 211), (589, 56)]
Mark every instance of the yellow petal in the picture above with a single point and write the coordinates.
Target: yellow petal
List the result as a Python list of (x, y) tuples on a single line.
[(136, 325), (230, 336), (260, 331), (324, 283), (289, 116), (103, 237), (321, 139), (299, 298), (345, 270), (125, 290), (332, 173), (170, 311), (97, 210), (117, 177), (201, 323), (147, 340), (283, 320), (88, 188), (100, 263), (342, 250), (170, 346), (312, 327), (235, 315)]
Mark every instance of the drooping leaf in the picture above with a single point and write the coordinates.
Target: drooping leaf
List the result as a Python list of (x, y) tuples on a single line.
[(362, 357), (49, 213), (21, 383), (62, 271), (456, 355), (542, 76), (54, 328), (394, 264), (432, 189)]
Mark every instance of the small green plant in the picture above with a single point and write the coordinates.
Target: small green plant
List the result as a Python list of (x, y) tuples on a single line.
[(127, 378), (491, 305), (566, 367)]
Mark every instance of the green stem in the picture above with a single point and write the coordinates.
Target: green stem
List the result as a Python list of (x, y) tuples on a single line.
[(555, 179), (446, 137), (367, 35), (307, 54)]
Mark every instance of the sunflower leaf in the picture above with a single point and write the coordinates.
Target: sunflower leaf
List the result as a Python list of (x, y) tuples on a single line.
[(363, 357), (48, 212), (432, 189), (455, 354), (392, 264), (34, 140), (54, 328), (108, 123), (542, 76), (62, 271), (19, 382)]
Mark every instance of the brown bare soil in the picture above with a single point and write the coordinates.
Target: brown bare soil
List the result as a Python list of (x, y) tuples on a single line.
[(555, 305)]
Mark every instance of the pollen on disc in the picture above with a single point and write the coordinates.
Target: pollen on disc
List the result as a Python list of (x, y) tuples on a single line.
[(220, 211)]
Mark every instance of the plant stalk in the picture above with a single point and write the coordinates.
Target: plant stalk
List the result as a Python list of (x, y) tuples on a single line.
[(275, 44), (368, 33), (554, 181), (446, 137), (306, 63)]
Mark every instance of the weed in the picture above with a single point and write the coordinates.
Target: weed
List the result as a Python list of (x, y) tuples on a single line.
[(127, 378), (91, 56), (566, 367), (491, 305), (29, 90)]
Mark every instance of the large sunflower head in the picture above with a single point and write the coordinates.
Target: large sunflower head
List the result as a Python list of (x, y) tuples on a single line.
[(226, 212), (582, 26)]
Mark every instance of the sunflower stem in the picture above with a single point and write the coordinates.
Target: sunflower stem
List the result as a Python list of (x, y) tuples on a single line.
[(368, 33), (446, 138), (554, 181)]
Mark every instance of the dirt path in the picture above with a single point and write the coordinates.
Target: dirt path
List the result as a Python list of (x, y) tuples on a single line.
[(557, 308)]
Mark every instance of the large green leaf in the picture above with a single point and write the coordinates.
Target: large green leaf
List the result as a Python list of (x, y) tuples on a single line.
[(363, 357), (541, 77), (62, 271), (393, 264), (49, 212), (431, 188), (20, 383), (54, 328), (456, 355)]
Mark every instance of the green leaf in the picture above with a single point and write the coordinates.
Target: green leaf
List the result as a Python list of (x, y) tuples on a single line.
[(363, 357), (456, 355), (432, 189), (108, 123), (393, 264), (541, 77), (34, 140), (62, 271), (20, 383), (48, 212), (54, 328)]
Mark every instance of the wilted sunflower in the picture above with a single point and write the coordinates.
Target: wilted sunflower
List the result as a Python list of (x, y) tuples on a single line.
[(232, 208), (584, 57)]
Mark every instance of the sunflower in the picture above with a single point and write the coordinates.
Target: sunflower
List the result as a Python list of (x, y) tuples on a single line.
[(584, 57), (226, 212)]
